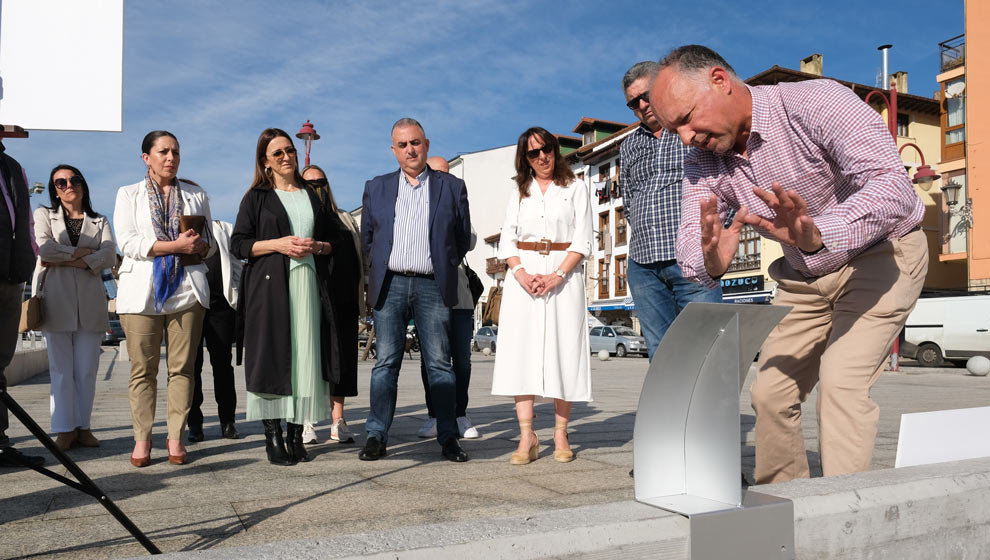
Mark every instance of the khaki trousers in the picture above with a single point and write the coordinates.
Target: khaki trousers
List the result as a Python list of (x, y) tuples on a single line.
[(838, 336), (144, 343)]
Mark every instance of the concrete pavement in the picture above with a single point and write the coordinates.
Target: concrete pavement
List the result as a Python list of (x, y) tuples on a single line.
[(229, 496)]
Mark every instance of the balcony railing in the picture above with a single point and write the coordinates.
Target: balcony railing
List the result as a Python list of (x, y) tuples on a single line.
[(952, 53), (493, 266), (747, 263)]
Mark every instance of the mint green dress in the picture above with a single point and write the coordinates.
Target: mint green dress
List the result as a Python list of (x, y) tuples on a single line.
[(310, 399)]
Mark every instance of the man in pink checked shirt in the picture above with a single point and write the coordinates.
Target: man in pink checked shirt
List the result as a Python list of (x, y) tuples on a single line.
[(812, 166)]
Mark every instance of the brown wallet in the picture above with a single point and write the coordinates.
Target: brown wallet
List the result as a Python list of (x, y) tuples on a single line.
[(198, 224)]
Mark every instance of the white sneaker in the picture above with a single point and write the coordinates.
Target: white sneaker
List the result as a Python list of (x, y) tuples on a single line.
[(429, 430), (466, 429), (340, 432), (309, 434)]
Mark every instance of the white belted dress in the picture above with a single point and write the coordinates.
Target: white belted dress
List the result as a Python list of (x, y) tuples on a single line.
[(543, 346)]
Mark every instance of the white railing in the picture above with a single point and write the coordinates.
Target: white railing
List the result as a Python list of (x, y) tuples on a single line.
[(30, 340)]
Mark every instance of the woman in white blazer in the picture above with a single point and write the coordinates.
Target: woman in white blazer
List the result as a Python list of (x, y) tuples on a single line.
[(158, 291), (75, 244)]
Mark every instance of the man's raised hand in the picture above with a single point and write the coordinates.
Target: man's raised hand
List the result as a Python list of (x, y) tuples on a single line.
[(719, 245), (792, 224)]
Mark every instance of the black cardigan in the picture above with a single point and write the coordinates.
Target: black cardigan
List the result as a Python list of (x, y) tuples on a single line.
[(263, 312)]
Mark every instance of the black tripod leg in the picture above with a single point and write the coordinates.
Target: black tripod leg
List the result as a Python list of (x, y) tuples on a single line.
[(85, 483)]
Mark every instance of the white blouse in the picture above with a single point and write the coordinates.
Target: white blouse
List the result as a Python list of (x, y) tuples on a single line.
[(562, 215)]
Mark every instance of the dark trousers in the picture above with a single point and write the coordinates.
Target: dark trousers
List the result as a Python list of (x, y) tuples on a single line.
[(461, 329), (218, 334), (11, 296)]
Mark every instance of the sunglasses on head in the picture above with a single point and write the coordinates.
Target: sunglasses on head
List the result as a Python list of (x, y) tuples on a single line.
[(635, 101), (61, 184), (279, 153), (319, 183), (535, 152)]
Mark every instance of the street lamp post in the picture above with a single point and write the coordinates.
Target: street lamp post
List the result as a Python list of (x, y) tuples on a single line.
[(891, 103), (307, 133), (964, 212)]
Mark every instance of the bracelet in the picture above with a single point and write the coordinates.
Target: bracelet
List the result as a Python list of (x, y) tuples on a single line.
[(515, 268)]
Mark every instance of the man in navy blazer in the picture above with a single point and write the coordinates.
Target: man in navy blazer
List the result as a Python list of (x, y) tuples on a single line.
[(415, 230)]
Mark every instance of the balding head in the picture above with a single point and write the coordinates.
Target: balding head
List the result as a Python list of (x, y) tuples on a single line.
[(697, 95), (437, 163)]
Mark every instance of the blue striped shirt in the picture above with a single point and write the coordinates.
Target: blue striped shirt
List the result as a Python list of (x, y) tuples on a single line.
[(650, 180), (411, 230)]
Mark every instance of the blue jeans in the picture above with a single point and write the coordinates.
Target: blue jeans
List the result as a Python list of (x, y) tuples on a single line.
[(660, 292), (419, 299), (461, 329)]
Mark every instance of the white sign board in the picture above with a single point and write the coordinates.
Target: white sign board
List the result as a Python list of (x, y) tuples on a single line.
[(943, 435), (61, 64)]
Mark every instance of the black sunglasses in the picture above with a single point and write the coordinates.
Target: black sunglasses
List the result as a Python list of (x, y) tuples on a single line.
[(535, 152), (634, 102), (279, 153), (61, 184), (319, 183)]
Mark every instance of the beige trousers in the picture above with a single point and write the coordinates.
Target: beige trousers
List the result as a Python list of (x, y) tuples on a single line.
[(144, 344), (837, 336)]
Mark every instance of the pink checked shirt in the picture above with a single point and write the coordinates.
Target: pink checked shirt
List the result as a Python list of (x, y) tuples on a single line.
[(818, 138)]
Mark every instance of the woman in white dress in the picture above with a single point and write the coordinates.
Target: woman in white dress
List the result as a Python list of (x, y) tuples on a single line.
[(543, 347)]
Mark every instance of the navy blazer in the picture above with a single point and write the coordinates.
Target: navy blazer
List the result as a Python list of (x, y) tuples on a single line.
[(450, 230)]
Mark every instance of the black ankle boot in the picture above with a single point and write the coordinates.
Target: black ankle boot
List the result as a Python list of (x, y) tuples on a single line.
[(275, 445), (294, 442)]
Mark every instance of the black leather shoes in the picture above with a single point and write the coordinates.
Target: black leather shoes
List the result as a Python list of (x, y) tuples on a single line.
[(196, 434), (452, 451), (10, 457), (373, 450), (228, 430)]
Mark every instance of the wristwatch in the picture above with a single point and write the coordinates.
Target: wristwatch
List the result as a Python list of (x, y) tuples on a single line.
[(560, 273)]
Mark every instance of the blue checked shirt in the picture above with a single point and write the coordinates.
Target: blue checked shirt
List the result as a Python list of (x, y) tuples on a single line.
[(650, 180)]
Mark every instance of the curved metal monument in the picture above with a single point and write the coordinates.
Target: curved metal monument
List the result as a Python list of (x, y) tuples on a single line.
[(687, 450)]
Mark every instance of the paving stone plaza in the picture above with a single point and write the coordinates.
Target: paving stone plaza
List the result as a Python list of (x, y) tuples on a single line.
[(229, 496)]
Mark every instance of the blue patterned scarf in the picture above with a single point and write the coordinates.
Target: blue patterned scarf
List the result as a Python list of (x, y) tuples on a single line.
[(165, 212)]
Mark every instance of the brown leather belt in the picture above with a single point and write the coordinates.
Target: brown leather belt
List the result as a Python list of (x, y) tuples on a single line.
[(544, 246)]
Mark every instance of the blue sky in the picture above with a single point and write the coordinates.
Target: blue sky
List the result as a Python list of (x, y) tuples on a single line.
[(476, 74)]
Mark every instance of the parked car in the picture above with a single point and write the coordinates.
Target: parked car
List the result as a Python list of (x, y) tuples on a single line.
[(114, 334), (618, 340), (485, 338), (950, 329)]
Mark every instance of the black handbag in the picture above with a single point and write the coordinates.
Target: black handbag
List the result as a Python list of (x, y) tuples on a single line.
[(474, 283)]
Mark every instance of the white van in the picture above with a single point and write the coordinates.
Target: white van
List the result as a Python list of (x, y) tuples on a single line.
[(948, 329)]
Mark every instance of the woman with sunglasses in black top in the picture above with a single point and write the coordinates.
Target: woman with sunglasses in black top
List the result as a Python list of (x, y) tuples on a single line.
[(75, 244), (347, 283)]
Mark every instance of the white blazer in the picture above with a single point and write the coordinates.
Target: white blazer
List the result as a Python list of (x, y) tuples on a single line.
[(74, 298), (135, 237), (230, 266)]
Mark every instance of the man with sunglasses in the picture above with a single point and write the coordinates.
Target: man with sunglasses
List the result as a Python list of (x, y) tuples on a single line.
[(16, 265), (415, 230), (650, 180)]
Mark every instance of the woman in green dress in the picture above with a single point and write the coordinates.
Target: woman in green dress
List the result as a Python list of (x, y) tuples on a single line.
[(291, 351)]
